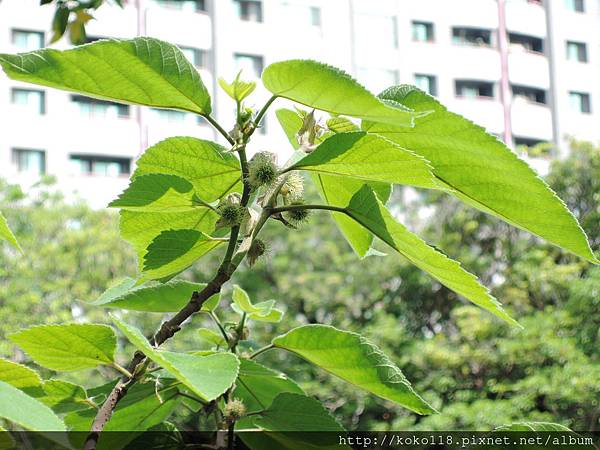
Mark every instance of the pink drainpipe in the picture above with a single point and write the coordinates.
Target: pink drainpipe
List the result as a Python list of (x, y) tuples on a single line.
[(505, 91)]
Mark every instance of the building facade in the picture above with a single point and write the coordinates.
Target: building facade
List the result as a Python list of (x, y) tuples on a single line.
[(526, 70)]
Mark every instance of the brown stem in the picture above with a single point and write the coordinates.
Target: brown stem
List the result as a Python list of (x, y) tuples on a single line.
[(138, 364), (166, 331), (169, 328)]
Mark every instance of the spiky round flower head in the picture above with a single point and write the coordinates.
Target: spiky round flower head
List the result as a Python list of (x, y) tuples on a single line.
[(297, 217), (234, 410), (231, 212), (262, 169), (293, 187), (257, 249)]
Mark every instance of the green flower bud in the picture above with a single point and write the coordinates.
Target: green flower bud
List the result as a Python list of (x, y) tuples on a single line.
[(293, 187), (234, 410), (257, 249), (297, 217), (231, 212), (262, 170)]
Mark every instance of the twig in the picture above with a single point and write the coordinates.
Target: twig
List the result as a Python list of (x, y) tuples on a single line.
[(219, 128), (261, 350), (139, 363)]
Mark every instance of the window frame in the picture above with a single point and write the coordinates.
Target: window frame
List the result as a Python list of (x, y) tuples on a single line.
[(255, 58), (526, 36), (582, 51), (578, 6), (432, 81), (247, 16), (465, 31), (15, 31), (92, 160), (464, 83), (584, 100), (42, 106), (17, 151), (430, 31), (82, 99), (526, 90)]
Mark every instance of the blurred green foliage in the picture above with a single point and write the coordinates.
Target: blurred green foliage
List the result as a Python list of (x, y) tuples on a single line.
[(477, 371)]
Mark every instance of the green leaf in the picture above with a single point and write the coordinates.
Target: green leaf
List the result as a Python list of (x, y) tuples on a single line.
[(211, 303), (141, 228), (158, 193), (59, 22), (152, 297), (140, 71), (369, 158), (7, 234), (145, 406), (242, 300), (329, 89), (238, 90), (213, 173), (212, 170), (341, 125), (257, 386), (483, 172), (291, 123), (337, 191), (64, 397), (262, 311), (68, 347), (293, 422), (173, 251), (355, 360), (26, 411), (268, 312), (371, 213), (206, 376), (297, 412), (18, 375), (212, 337)]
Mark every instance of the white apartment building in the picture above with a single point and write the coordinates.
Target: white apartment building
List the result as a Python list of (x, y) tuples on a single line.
[(527, 70)]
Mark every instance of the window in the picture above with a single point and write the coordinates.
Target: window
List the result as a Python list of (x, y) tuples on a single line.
[(30, 100), (474, 89), (183, 5), (376, 30), (250, 65), (26, 41), (422, 32), (530, 94), (249, 10), (577, 51), (472, 36), (529, 43), (93, 108), (427, 83), (198, 57), (580, 102), (105, 166), (315, 16), (32, 162), (575, 5)]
